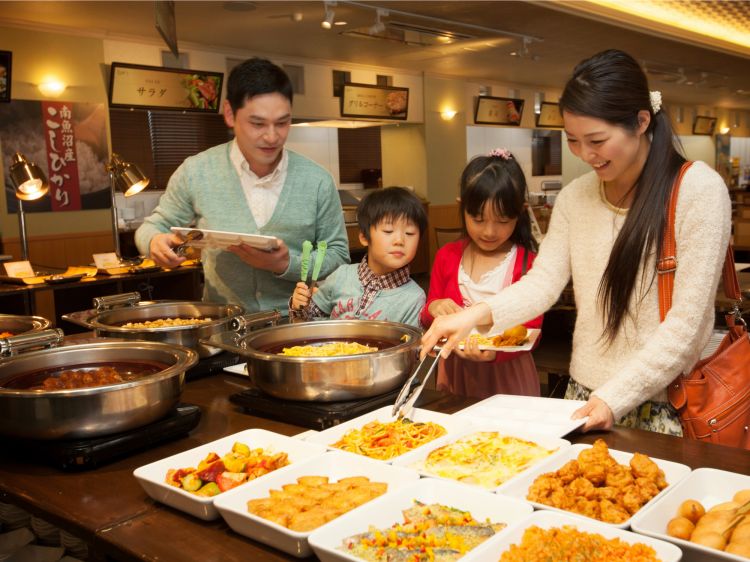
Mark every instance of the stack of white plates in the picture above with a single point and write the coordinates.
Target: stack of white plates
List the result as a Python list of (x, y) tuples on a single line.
[(74, 546), (13, 517), (46, 533)]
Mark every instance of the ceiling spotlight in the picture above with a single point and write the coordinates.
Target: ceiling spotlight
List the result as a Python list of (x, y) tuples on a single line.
[(297, 16), (378, 26), (327, 23)]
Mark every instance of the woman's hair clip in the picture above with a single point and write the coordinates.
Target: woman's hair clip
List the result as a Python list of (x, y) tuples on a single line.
[(655, 98), (503, 153)]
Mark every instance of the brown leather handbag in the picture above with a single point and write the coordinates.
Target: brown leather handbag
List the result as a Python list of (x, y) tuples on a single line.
[(713, 400)]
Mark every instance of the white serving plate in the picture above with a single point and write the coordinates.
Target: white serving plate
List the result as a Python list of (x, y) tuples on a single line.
[(532, 336), (710, 487), (665, 551), (152, 476), (335, 465), (415, 459), (223, 239), (673, 472), (328, 436), (548, 416), (387, 510)]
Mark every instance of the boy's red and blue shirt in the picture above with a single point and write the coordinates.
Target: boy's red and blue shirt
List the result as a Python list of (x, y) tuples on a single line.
[(356, 292)]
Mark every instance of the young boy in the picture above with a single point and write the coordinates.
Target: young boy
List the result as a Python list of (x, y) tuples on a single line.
[(391, 222)]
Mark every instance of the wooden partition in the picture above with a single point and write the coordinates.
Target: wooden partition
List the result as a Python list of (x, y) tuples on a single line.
[(441, 217)]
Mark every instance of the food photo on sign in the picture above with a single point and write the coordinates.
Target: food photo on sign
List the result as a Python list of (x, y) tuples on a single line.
[(68, 141)]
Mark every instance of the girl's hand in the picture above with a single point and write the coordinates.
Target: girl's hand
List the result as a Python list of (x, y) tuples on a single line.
[(454, 327), (442, 307), (600, 415), (472, 352), (301, 296)]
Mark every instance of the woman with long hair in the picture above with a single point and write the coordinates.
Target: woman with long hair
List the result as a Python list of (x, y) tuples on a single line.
[(605, 234)]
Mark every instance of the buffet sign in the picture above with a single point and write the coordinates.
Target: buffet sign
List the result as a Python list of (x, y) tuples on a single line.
[(498, 111), (376, 102), (155, 87), (549, 115)]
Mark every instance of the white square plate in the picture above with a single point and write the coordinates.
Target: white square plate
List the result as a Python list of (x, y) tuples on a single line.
[(673, 472), (222, 239), (152, 476), (335, 465), (532, 333), (548, 416), (329, 436), (710, 487), (387, 511), (415, 459), (547, 519)]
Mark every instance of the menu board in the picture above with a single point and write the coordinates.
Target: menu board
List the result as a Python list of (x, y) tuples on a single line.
[(498, 111), (376, 102), (164, 88)]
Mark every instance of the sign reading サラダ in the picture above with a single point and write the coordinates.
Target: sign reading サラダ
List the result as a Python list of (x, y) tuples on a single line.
[(377, 102), (166, 88)]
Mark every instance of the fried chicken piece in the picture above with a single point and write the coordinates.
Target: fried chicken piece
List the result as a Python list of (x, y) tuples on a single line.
[(647, 488), (644, 467), (561, 498), (580, 487), (619, 477), (611, 513), (569, 471), (589, 508), (542, 487), (596, 473), (632, 499), (608, 493)]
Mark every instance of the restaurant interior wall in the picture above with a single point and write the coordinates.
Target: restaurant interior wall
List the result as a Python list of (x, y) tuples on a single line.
[(77, 61)]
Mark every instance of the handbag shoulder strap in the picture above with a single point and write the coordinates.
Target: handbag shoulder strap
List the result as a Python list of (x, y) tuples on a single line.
[(667, 263)]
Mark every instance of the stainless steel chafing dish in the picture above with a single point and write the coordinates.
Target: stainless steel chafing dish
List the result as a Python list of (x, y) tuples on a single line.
[(22, 324), (110, 313), (157, 371), (326, 379)]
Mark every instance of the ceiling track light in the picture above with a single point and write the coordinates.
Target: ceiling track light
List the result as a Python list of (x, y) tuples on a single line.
[(330, 16), (378, 26)]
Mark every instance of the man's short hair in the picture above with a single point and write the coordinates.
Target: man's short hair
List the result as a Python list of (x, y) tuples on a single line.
[(390, 203), (254, 77)]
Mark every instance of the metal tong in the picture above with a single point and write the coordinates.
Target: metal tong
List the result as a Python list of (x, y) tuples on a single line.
[(192, 236), (408, 396)]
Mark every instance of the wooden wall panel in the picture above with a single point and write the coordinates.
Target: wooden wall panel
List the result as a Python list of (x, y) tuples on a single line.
[(63, 250)]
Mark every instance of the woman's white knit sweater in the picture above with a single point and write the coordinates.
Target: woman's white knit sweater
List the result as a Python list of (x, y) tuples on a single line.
[(646, 354)]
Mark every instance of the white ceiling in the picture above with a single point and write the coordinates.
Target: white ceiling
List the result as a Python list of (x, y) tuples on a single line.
[(686, 72)]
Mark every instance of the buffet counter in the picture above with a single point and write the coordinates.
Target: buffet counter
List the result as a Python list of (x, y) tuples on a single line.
[(107, 508)]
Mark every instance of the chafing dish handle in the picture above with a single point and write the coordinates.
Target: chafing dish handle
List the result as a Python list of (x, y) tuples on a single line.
[(82, 318), (110, 301), (36, 340), (242, 323)]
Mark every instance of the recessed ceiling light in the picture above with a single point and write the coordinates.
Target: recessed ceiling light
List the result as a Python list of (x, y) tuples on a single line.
[(340, 23)]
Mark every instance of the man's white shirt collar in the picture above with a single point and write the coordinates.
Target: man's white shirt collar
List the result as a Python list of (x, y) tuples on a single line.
[(241, 165)]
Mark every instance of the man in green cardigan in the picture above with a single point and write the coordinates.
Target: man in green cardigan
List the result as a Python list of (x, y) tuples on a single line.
[(251, 185)]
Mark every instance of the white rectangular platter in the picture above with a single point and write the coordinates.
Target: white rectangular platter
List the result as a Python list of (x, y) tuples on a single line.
[(416, 459), (222, 239), (152, 476), (533, 335), (710, 487), (548, 416), (329, 436), (665, 551), (335, 465), (519, 487), (387, 511)]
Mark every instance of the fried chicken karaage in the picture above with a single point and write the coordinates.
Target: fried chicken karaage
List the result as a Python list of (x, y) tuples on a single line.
[(596, 486)]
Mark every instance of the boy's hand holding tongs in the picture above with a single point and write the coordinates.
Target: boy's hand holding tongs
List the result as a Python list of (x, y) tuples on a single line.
[(302, 292)]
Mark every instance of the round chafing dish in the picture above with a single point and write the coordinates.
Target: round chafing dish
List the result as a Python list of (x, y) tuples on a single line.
[(94, 411), (327, 379), (111, 313), (22, 324)]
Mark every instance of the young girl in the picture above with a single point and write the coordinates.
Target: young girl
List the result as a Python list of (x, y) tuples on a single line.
[(605, 234), (497, 249)]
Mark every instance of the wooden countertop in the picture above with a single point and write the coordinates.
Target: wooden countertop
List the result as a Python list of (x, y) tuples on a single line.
[(107, 508)]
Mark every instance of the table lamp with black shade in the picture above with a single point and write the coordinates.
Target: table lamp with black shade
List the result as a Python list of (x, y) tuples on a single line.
[(128, 179), (30, 184)]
